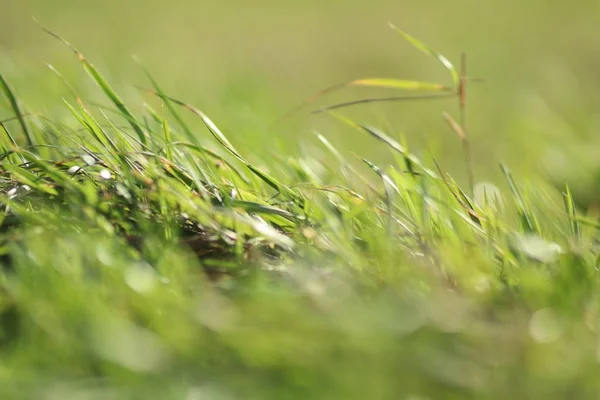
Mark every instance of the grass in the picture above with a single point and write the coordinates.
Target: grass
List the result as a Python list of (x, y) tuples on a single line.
[(145, 256)]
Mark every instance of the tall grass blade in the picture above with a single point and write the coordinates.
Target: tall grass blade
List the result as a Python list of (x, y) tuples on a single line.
[(167, 101), (64, 81), (394, 145), (383, 100), (222, 139), (14, 103), (103, 85), (571, 212), (431, 52), (388, 185), (386, 83), (11, 140), (528, 220), (399, 84), (92, 126), (212, 154)]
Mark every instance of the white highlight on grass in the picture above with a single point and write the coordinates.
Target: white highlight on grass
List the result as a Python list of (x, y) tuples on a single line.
[(16, 191), (89, 160), (135, 348), (545, 326), (105, 174), (538, 249), (141, 277)]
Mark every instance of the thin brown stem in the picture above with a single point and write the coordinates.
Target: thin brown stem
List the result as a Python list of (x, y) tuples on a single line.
[(462, 106)]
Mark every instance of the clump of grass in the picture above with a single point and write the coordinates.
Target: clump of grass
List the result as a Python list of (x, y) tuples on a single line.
[(144, 256)]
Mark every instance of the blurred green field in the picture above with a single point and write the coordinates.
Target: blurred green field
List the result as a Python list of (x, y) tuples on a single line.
[(138, 260), (248, 63)]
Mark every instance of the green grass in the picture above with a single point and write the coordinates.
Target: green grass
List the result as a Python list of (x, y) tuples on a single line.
[(145, 255)]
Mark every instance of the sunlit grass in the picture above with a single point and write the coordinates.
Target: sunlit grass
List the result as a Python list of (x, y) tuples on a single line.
[(146, 256)]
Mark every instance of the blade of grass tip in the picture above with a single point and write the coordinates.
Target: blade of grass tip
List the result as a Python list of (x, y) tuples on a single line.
[(213, 129), (125, 143), (112, 95), (591, 222), (102, 84), (14, 103), (571, 212), (425, 208), (331, 148), (102, 131), (464, 139), (429, 51), (168, 138), (394, 145), (382, 175), (93, 127), (388, 184), (65, 82), (406, 159), (212, 154), (168, 133), (382, 100), (345, 165), (526, 217), (11, 140), (467, 202), (168, 104), (222, 139), (155, 115), (458, 194)]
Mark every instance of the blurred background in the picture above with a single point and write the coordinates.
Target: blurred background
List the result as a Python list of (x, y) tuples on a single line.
[(246, 63)]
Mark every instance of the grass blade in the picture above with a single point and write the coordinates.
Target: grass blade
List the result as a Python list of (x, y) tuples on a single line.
[(258, 208), (431, 52), (528, 220), (394, 145), (388, 185), (11, 139), (93, 127), (103, 85), (398, 84), (222, 139), (168, 104), (14, 103), (571, 212), (382, 100), (212, 154), (387, 83)]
